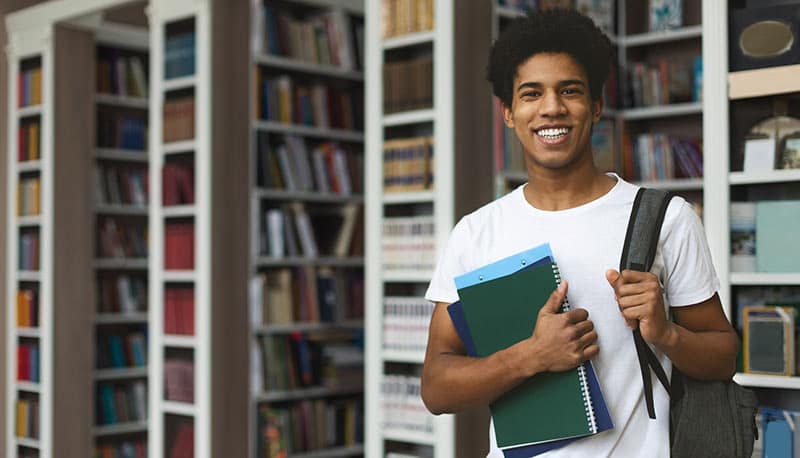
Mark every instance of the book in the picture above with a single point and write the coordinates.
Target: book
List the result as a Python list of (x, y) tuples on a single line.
[(769, 344), (573, 397), (777, 249)]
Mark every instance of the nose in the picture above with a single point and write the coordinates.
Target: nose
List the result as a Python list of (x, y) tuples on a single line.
[(551, 104)]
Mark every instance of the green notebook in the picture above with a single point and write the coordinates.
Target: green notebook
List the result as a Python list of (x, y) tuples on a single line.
[(548, 406)]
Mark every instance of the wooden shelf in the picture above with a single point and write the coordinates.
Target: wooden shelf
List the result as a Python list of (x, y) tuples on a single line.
[(409, 117), (174, 84), (29, 387), (30, 110), (307, 196), (121, 263), (665, 36), (309, 131), (116, 154), (411, 39), (411, 276), (121, 318), (121, 209), (662, 111), (680, 184), (133, 427), (178, 211), (271, 329), (410, 197), (759, 278), (403, 356), (773, 176), (411, 437), (307, 393), (177, 341), (179, 147), (29, 166), (264, 261), (29, 221), (179, 408), (121, 373), (328, 71), (122, 101), (767, 381), (332, 452), (763, 82), (28, 442), (31, 333)]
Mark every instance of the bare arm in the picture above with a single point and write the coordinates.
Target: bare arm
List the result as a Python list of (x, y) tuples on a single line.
[(700, 342), (452, 381)]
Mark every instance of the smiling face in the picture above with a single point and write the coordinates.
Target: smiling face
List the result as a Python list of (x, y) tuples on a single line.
[(552, 112)]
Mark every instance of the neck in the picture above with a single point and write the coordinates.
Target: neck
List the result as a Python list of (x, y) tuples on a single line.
[(554, 190)]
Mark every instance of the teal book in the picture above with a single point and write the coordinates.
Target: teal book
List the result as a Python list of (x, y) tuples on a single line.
[(500, 303), (777, 245)]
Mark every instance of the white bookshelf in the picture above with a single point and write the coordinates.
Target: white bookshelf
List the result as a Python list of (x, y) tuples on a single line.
[(27, 43), (722, 184), (454, 72), (125, 41), (263, 130)]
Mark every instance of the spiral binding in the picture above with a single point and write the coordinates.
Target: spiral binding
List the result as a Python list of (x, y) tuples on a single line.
[(588, 407)]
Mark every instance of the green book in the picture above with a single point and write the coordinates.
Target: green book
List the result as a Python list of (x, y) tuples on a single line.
[(549, 406), (777, 247)]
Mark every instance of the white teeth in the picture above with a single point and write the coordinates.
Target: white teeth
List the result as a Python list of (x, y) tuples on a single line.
[(554, 132)]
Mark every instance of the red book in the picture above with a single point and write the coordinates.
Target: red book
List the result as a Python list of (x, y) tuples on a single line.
[(169, 311), (188, 311)]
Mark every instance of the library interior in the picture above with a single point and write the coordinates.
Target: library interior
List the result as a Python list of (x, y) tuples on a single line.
[(222, 216)]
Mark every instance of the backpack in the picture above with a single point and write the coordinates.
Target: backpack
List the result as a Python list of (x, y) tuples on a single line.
[(707, 418)]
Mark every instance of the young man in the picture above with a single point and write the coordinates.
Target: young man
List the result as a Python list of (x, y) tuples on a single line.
[(549, 69)]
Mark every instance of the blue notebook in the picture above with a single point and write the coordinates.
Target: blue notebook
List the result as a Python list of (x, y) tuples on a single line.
[(533, 258)]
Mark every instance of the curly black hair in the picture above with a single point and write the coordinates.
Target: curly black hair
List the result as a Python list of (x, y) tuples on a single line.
[(550, 31)]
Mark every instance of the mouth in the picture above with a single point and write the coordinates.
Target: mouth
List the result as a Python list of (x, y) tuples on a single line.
[(552, 134)]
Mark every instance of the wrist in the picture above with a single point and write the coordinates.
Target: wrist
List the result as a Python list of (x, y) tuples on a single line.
[(669, 338), (521, 359)]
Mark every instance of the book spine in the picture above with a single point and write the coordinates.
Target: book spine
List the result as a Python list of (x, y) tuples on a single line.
[(587, 399)]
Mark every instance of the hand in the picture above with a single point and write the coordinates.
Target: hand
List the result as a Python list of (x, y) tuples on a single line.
[(640, 300), (561, 341)]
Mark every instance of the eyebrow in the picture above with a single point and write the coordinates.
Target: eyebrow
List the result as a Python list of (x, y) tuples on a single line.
[(536, 85)]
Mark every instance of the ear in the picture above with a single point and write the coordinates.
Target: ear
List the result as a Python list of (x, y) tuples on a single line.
[(508, 116), (597, 109)]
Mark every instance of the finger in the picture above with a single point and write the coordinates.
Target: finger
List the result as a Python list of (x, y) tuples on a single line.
[(634, 300), (612, 276), (583, 327), (587, 339), (636, 276), (553, 304), (591, 351), (576, 315)]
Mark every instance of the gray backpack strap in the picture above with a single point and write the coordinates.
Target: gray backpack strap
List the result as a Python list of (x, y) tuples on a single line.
[(638, 253)]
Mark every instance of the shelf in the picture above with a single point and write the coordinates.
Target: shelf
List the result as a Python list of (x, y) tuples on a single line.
[(773, 176), (409, 117), (175, 84), (178, 275), (665, 36), (329, 71), (332, 452), (179, 408), (309, 131), (121, 263), (29, 275), (307, 196), (28, 387), (121, 318), (760, 278), (178, 211), (133, 427), (28, 442), (767, 381), (30, 110), (411, 437), (411, 276), (307, 393), (183, 146), (117, 154), (271, 329), (31, 333), (411, 39), (403, 356), (120, 373), (678, 184), (121, 209), (178, 341), (28, 221), (29, 166), (264, 261), (763, 82), (122, 101), (662, 111), (411, 197), (507, 12)]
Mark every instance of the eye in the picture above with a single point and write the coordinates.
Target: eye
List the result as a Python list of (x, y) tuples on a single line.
[(530, 94), (571, 91)]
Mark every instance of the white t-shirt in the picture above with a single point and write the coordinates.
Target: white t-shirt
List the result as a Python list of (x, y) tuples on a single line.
[(586, 241)]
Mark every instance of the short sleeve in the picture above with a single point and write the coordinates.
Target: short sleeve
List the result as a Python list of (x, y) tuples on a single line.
[(450, 264), (690, 274)]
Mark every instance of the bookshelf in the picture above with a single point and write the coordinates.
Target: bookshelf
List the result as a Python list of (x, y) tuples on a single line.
[(306, 227), (640, 127), (197, 276), (737, 106), (48, 364), (428, 175), (120, 215)]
